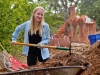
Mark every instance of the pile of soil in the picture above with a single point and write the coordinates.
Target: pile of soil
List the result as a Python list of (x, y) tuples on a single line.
[(79, 56), (63, 58), (93, 56)]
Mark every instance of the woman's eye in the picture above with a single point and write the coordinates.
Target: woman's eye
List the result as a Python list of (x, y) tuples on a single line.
[(38, 14), (41, 14)]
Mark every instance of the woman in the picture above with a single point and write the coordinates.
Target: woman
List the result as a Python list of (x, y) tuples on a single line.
[(36, 32)]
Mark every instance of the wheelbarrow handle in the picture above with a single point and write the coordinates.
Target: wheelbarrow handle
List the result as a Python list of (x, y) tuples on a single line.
[(43, 46)]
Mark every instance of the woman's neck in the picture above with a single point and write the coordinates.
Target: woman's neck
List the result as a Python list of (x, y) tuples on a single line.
[(37, 25)]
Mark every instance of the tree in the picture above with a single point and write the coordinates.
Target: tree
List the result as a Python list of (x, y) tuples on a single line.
[(62, 7), (12, 13), (91, 9)]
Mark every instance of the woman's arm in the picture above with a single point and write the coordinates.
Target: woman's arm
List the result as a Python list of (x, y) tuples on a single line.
[(18, 29)]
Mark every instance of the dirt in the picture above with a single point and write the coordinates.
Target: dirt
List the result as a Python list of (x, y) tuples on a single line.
[(79, 56), (93, 56)]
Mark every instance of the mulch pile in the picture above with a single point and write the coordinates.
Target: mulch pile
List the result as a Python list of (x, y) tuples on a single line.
[(63, 58), (93, 56), (90, 54)]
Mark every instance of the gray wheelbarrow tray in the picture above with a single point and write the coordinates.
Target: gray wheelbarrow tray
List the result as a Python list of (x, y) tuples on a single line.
[(61, 70)]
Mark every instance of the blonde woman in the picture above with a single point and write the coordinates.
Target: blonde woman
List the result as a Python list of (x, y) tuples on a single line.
[(36, 32)]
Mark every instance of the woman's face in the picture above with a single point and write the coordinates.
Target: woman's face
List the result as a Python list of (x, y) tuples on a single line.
[(38, 15)]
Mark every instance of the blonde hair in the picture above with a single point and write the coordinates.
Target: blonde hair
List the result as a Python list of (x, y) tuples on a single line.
[(32, 27)]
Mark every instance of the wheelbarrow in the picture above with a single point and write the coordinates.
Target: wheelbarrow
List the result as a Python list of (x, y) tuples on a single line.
[(61, 70)]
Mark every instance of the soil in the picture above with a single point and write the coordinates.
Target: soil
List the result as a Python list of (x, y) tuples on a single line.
[(81, 54)]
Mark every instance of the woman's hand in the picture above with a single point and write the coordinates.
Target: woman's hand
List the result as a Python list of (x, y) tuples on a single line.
[(14, 42), (39, 45)]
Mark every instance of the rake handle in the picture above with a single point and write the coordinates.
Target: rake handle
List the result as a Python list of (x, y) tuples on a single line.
[(43, 46)]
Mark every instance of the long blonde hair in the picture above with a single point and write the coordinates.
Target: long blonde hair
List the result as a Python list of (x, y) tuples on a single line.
[(32, 27)]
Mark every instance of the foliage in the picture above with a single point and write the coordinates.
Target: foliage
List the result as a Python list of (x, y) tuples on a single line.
[(15, 12), (61, 7), (91, 9)]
